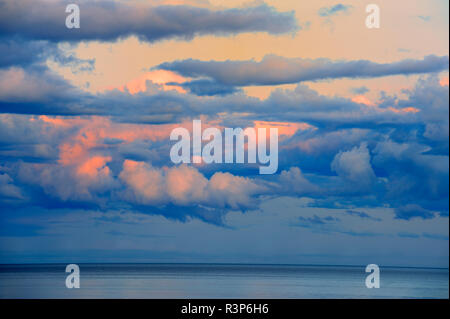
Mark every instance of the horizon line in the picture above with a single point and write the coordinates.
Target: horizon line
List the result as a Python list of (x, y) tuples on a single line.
[(216, 263)]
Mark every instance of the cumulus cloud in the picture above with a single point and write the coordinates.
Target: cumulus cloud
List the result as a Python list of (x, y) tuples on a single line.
[(186, 186), (380, 153), (9, 191), (406, 166), (293, 181), (414, 175), (18, 85), (109, 21), (86, 183), (432, 98), (354, 167), (146, 183)]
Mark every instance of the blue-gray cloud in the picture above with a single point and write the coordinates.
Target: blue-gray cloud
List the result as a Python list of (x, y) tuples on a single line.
[(424, 18), (412, 211), (207, 87), (333, 10), (276, 70), (21, 53), (359, 90), (109, 21), (362, 215), (353, 156), (17, 52), (316, 220)]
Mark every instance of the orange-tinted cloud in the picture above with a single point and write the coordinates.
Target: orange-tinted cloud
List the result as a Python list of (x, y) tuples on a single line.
[(95, 166), (185, 185), (408, 109), (284, 128), (361, 99), (93, 131), (159, 77)]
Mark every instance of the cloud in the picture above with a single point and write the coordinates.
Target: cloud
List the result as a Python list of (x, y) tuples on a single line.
[(208, 88), (435, 236), (414, 176), (412, 211), (359, 90), (37, 90), (110, 21), (334, 225), (362, 215), (146, 183), (19, 85), (431, 97), (165, 79), (186, 186), (333, 10), (9, 191), (424, 18), (316, 220), (276, 70), (20, 53), (148, 237), (354, 167), (334, 150), (293, 181), (67, 185)]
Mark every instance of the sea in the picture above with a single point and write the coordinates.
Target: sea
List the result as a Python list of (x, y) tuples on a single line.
[(216, 281)]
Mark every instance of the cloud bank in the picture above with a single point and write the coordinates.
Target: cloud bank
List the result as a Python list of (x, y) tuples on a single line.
[(276, 70)]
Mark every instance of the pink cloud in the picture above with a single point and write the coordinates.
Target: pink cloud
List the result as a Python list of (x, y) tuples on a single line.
[(185, 185), (94, 167), (361, 99), (284, 128), (408, 109), (146, 184), (94, 130), (159, 77)]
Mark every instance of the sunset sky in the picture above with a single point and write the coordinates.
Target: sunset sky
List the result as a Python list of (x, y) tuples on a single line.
[(362, 116)]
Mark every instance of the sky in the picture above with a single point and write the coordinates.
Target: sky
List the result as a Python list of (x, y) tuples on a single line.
[(362, 115)]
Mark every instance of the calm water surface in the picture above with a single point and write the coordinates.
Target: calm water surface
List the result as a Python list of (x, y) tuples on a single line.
[(219, 281)]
